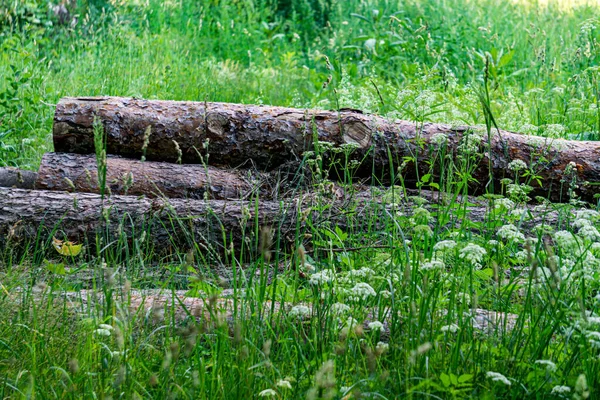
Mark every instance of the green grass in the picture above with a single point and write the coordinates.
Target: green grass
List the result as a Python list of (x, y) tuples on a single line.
[(408, 267)]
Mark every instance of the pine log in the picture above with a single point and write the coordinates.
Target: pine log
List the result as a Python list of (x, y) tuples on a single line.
[(233, 134), (79, 173), (32, 217), (17, 178)]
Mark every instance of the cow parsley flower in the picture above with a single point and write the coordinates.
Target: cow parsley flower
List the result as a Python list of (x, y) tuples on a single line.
[(283, 383), (565, 239), (339, 308), (361, 291), (321, 277), (382, 347), (591, 215), (517, 165), (472, 253), (299, 311), (590, 233), (444, 246), (452, 328), (432, 265), (505, 203), (375, 326), (550, 366), (559, 389), (510, 232), (581, 222), (439, 139)]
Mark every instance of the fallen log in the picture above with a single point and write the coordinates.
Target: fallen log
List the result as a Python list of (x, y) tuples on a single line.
[(35, 216), (79, 173), (30, 217), (17, 178), (232, 134)]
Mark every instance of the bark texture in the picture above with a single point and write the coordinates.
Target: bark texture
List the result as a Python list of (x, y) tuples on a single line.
[(17, 178), (79, 173), (30, 216), (234, 134), (27, 216)]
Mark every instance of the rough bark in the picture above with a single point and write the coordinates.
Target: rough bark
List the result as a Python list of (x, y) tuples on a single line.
[(17, 178), (27, 216), (79, 173), (270, 136), (30, 216)]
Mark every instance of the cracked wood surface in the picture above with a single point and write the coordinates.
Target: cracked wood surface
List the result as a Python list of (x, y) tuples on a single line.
[(79, 173)]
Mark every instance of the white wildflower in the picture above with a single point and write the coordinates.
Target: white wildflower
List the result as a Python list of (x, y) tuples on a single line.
[(505, 203), (339, 308), (432, 265), (522, 256), (452, 328), (550, 366), (382, 347), (590, 233), (375, 326), (444, 246), (299, 311), (283, 383), (439, 139), (498, 377), (560, 389), (517, 212), (463, 298), (364, 272), (370, 44), (591, 215), (361, 291), (510, 232), (517, 165), (472, 253), (350, 323), (581, 222), (386, 294), (565, 239), (321, 277)]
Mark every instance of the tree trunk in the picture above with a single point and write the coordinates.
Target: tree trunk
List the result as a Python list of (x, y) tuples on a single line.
[(29, 217), (79, 173), (17, 178), (234, 134)]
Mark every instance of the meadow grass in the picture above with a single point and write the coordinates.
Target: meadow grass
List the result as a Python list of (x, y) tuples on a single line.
[(402, 301)]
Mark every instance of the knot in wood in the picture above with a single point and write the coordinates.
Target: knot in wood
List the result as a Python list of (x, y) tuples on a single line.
[(357, 132)]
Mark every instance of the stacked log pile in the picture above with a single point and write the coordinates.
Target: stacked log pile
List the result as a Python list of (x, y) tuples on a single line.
[(209, 174)]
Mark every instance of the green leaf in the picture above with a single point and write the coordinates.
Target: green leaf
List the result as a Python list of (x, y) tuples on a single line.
[(58, 269), (445, 379)]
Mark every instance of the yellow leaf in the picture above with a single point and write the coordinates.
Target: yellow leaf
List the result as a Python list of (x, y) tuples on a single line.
[(66, 248)]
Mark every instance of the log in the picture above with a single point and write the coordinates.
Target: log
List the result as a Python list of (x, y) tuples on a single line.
[(30, 216), (17, 178), (79, 173), (233, 134)]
